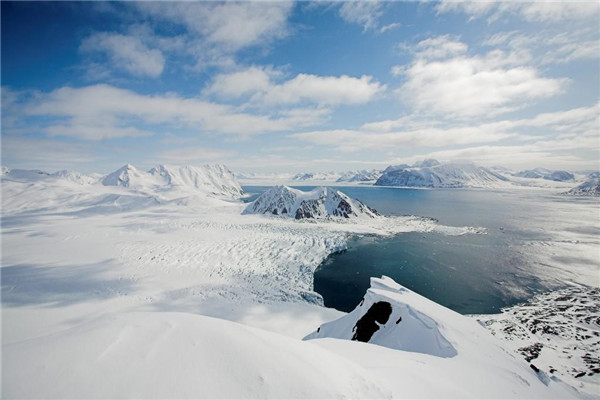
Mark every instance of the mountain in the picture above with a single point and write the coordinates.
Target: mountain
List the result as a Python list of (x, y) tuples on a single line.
[(215, 180), (431, 173), (316, 176), (360, 176), (36, 175), (588, 188), (542, 173), (321, 202)]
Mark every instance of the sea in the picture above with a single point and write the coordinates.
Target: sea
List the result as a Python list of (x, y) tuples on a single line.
[(529, 246)]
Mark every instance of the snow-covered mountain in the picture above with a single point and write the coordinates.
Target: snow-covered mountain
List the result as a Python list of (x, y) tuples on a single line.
[(316, 176), (433, 174), (542, 173), (321, 202), (36, 175), (588, 188), (216, 180), (360, 176)]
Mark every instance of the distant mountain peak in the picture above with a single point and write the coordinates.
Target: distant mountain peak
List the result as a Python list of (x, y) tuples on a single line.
[(322, 202)]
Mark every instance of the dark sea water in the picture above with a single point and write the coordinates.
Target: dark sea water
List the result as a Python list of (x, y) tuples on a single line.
[(471, 274)]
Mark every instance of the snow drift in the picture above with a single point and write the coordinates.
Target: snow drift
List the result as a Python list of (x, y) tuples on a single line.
[(321, 202)]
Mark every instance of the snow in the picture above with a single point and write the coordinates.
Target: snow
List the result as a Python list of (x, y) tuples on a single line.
[(429, 339), (176, 355), (159, 286)]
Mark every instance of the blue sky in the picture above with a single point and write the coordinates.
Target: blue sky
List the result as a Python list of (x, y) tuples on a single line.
[(306, 86)]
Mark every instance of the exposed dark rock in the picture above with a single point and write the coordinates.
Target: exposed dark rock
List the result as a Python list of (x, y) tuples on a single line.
[(366, 326)]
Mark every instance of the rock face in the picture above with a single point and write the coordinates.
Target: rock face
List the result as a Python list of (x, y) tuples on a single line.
[(588, 188), (433, 174), (392, 316), (542, 173), (318, 203)]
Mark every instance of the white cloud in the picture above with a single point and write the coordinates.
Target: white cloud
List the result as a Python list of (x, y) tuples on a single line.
[(440, 47), (126, 52), (241, 83), (91, 112), (234, 25), (191, 155), (569, 129), (444, 80), (94, 131), (524, 156), (550, 45), (540, 10), (24, 152), (324, 90), (362, 12)]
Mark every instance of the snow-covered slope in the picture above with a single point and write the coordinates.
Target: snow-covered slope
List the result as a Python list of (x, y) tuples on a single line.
[(588, 188), (177, 355), (360, 176), (431, 173), (542, 173), (321, 202), (425, 336), (215, 180)]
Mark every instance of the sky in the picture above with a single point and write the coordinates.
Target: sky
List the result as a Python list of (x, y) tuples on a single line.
[(299, 86)]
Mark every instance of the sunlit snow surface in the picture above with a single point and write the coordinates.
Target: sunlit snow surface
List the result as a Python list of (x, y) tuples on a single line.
[(109, 282)]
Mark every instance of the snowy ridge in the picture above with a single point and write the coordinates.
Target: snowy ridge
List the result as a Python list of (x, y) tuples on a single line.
[(388, 317), (321, 202), (588, 188), (433, 174)]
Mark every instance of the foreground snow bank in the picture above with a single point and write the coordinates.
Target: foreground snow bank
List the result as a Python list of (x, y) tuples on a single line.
[(426, 350), (175, 355)]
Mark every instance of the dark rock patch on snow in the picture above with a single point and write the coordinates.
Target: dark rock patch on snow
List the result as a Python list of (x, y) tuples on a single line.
[(367, 325)]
